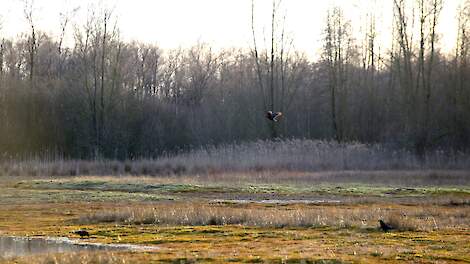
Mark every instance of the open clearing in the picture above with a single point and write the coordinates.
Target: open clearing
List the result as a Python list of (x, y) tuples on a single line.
[(231, 219)]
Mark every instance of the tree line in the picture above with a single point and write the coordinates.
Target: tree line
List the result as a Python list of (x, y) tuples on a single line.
[(103, 97)]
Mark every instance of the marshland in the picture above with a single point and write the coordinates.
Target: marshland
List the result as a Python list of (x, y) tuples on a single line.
[(245, 131), (307, 209)]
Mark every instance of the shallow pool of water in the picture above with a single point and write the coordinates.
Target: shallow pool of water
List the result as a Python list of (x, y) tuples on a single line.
[(276, 201), (24, 246)]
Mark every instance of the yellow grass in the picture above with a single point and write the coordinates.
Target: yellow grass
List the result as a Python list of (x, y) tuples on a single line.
[(239, 243), (421, 218), (196, 229)]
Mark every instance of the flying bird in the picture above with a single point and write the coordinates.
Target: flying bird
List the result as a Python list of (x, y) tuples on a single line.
[(273, 116)]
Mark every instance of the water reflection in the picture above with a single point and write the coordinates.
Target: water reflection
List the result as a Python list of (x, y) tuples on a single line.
[(24, 246)]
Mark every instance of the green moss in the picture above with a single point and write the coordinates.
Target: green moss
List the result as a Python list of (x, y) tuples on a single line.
[(21, 196), (349, 189), (107, 186)]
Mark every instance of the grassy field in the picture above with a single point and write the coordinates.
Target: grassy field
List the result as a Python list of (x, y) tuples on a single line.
[(274, 217)]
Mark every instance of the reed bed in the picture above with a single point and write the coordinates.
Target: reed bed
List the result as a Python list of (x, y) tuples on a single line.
[(191, 214), (258, 156)]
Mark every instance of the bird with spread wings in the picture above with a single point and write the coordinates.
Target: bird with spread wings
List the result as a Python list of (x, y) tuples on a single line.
[(273, 116)]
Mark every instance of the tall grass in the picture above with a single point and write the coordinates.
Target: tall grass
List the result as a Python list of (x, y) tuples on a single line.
[(195, 214), (285, 155)]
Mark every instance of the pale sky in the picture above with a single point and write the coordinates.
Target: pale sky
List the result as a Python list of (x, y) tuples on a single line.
[(221, 23)]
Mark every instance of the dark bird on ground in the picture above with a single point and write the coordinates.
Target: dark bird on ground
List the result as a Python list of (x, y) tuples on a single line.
[(273, 116), (82, 233), (384, 226)]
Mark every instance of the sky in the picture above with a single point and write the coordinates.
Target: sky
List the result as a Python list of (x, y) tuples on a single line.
[(220, 23)]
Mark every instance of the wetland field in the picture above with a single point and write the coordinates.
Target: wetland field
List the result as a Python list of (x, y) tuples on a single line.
[(297, 201), (246, 131), (251, 217)]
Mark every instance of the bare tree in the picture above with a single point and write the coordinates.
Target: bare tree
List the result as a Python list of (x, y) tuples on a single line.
[(32, 40), (461, 92), (411, 78), (65, 18), (436, 7), (271, 65), (336, 53), (370, 59), (149, 62), (257, 55), (94, 41), (404, 39)]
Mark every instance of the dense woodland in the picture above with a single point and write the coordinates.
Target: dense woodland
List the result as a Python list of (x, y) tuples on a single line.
[(105, 98)]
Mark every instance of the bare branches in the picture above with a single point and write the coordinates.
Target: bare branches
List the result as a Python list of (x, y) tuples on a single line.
[(65, 18), (29, 15), (271, 67), (271, 83), (338, 50), (118, 99), (28, 11), (256, 54)]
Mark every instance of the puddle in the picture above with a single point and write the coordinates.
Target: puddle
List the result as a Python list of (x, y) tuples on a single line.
[(25, 246), (277, 201)]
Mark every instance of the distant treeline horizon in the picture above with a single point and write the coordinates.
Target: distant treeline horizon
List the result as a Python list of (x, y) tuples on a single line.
[(107, 98)]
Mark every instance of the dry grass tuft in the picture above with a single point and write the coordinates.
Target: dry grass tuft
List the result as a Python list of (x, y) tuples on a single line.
[(402, 222), (186, 214)]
